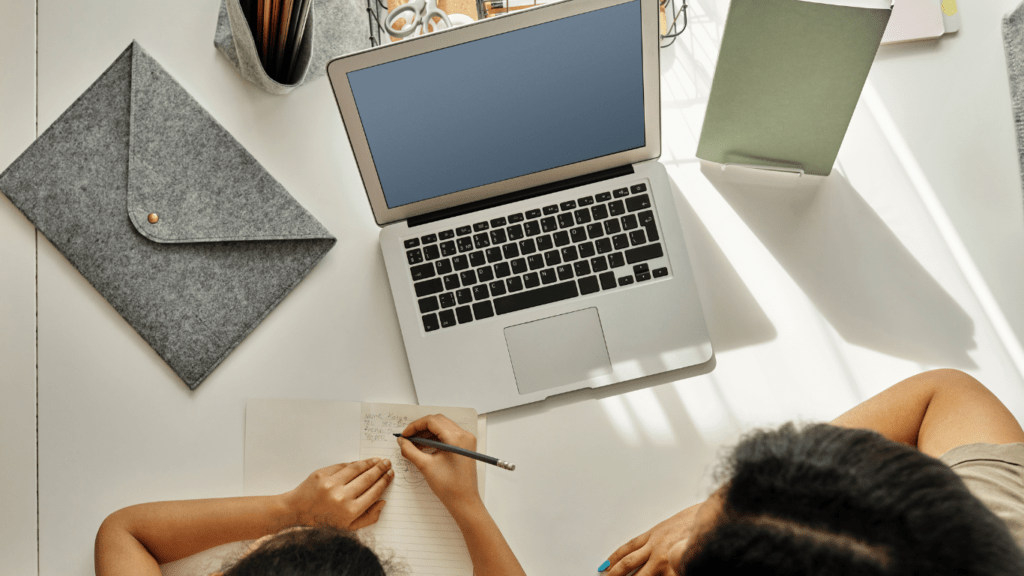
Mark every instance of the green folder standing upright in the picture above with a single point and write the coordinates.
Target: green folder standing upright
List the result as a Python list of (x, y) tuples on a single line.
[(788, 78)]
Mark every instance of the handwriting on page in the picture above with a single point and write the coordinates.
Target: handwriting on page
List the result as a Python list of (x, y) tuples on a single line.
[(414, 523)]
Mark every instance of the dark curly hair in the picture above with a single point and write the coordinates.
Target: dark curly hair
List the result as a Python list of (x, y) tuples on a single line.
[(846, 502), (318, 551)]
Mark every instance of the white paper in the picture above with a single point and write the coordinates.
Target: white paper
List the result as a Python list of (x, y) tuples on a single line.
[(876, 4), (414, 523)]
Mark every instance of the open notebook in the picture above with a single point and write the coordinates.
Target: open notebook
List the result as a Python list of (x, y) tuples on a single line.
[(286, 440)]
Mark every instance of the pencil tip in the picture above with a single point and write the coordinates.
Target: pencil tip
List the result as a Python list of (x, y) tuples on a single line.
[(398, 435)]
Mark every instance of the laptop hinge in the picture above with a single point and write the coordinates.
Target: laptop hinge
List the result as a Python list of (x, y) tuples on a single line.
[(521, 195)]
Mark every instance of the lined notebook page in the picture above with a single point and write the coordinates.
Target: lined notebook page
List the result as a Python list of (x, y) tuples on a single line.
[(414, 523)]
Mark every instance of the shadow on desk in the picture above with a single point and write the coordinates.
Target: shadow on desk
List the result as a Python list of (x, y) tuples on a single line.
[(854, 269)]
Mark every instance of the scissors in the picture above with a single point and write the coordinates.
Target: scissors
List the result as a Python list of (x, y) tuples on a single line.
[(418, 14)]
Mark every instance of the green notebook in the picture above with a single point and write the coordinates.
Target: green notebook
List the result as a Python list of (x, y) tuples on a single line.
[(788, 78)]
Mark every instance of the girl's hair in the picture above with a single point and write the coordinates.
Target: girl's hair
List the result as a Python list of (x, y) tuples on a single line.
[(845, 502), (318, 551)]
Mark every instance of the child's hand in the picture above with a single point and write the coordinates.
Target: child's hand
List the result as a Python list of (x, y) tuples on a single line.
[(343, 495), (450, 476)]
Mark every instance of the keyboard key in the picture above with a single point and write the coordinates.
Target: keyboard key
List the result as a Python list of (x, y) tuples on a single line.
[(412, 242), (430, 323), (429, 239), (643, 276), (595, 230), (548, 224), (498, 236), (550, 209), (625, 281), (447, 300), (535, 213), (497, 288), (515, 284), (480, 292), (642, 253), (604, 196), (599, 264), (547, 276), (646, 217), (531, 280), (484, 274), (515, 232), (448, 248), (428, 287), (552, 258), (567, 205), (660, 272), (564, 272), (465, 244), (515, 218), (527, 246), (501, 270), (578, 234), (447, 318), (604, 246), (446, 234), (629, 222), (519, 265), (616, 260), (569, 254), (586, 249), (588, 285), (422, 272), (582, 216), (620, 192), (463, 230), (496, 222), (561, 238), (510, 251), (536, 261), (480, 226), (616, 208), (494, 254), (468, 277), (481, 241), (612, 226), (607, 280), (464, 296), (414, 256), (652, 233), (428, 304), (532, 228), (460, 262), (545, 243), (464, 314), (637, 237), (582, 268), (621, 242), (444, 266), (638, 188), (586, 201), (477, 259), (599, 212), (451, 282), (640, 268), (539, 297), (431, 252), (635, 203), (483, 310)]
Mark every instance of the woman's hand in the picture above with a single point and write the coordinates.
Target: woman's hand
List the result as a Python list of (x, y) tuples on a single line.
[(450, 476), (657, 551), (343, 495)]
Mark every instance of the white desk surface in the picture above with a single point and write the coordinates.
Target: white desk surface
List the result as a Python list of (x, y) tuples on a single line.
[(814, 300)]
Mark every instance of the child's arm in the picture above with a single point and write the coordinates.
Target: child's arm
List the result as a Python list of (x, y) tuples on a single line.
[(936, 411), (453, 480), (137, 539)]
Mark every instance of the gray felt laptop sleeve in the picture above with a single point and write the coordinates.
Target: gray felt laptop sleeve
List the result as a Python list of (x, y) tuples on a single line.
[(228, 244)]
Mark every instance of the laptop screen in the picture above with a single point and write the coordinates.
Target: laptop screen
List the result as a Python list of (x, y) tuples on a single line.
[(504, 106)]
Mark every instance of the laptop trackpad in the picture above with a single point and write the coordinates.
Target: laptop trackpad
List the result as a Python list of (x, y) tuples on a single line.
[(556, 351)]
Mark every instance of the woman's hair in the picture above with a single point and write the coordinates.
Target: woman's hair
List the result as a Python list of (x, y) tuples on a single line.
[(318, 551), (836, 501)]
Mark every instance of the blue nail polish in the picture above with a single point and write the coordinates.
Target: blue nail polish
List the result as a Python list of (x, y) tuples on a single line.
[(604, 566)]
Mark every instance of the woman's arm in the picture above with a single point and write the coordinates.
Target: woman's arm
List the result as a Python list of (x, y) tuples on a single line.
[(936, 411), (453, 480), (137, 539)]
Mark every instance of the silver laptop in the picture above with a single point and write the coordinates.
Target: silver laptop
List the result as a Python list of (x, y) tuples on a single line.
[(529, 233)]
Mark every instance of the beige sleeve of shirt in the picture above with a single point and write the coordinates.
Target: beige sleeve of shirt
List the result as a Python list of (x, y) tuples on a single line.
[(994, 473)]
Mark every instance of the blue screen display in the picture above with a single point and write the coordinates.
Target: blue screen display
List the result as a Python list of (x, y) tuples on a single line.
[(504, 106)]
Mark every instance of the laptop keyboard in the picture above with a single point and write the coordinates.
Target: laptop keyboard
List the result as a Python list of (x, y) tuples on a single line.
[(543, 255)]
